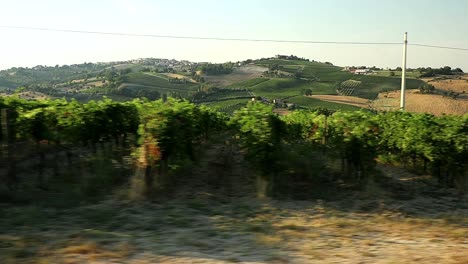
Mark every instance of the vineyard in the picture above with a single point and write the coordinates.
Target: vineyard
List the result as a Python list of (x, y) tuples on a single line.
[(221, 95), (187, 177), (347, 87), (228, 106), (162, 132)]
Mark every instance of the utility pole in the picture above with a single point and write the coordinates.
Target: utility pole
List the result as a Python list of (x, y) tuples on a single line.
[(403, 74)]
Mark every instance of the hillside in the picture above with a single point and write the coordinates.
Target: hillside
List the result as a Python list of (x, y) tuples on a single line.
[(284, 81)]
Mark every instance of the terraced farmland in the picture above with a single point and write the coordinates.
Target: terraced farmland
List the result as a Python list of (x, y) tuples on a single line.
[(142, 83), (325, 75), (347, 87), (228, 106), (157, 80), (222, 95)]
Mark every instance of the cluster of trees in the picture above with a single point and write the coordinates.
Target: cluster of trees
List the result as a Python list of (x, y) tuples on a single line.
[(427, 88), (307, 92), (197, 77), (48, 75), (177, 80), (112, 77), (275, 74), (365, 67), (291, 57), (217, 69), (447, 70), (275, 71)]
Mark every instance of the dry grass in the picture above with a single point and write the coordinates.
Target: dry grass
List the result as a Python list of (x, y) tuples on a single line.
[(415, 102), (85, 248), (451, 84), (274, 232), (422, 103)]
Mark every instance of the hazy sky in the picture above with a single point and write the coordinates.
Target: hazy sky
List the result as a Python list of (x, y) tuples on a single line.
[(427, 22)]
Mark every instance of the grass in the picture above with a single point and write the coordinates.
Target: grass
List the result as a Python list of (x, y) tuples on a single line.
[(249, 83), (223, 94), (312, 103), (286, 87), (409, 74)]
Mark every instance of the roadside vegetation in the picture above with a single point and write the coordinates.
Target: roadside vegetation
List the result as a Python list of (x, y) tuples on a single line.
[(171, 182)]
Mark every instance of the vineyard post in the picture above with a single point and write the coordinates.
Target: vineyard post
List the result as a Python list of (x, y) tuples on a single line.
[(403, 73), (8, 140)]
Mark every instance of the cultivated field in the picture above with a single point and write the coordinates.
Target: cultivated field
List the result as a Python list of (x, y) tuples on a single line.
[(240, 74)]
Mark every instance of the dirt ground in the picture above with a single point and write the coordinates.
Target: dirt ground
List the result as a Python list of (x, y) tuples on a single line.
[(240, 74), (399, 218)]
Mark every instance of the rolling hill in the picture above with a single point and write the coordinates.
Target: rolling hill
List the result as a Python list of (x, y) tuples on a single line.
[(284, 80)]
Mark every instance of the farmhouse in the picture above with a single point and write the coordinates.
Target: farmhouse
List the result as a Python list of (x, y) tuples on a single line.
[(362, 71)]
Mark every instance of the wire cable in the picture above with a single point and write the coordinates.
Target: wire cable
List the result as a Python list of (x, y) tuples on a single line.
[(230, 39), (203, 38), (437, 47)]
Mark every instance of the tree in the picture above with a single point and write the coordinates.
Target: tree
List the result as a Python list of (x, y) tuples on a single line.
[(446, 70), (427, 88), (307, 92), (429, 73), (392, 73)]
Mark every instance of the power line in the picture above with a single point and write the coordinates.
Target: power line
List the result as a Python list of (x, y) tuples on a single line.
[(203, 38), (230, 39), (437, 47)]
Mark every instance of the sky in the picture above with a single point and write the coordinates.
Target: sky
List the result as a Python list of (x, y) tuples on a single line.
[(443, 23)]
